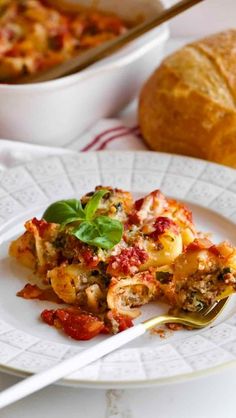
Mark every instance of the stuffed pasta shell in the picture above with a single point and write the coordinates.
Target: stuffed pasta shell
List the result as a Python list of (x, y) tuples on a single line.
[(162, 242), (35, 249), (203, 274), (116, 203), (184, 219), (126, 295), (76, 285), (149, 207), (23, 249)]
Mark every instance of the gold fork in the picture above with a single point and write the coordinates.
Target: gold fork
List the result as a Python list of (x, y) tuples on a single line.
[(64, 368), (200, 319)]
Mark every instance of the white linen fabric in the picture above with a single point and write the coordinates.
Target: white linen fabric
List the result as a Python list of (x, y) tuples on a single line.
[(107, 134)]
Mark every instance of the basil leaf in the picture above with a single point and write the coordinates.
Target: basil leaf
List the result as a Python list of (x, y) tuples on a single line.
[(86, 232), (93, 203), (111, 229), (64, 211), (103, 242), (103, 232), (70, 220)]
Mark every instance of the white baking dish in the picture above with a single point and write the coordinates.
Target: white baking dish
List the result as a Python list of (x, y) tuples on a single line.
[(54, 113)]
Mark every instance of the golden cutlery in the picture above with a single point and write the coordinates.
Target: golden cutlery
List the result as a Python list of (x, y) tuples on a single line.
[(40, 380)]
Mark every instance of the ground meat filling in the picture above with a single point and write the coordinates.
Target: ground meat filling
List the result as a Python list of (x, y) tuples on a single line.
[(202, 289), (134, 296)]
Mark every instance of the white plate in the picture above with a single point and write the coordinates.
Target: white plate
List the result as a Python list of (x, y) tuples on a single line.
[(27, 345)]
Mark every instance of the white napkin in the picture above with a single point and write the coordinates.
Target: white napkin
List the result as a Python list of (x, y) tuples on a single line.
[(107, 134)]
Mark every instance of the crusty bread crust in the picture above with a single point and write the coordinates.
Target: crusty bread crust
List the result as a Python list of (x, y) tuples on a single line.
[(188, 106)]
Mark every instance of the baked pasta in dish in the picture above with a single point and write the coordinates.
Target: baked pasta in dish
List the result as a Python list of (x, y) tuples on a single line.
[(35, 36), (106, 255)]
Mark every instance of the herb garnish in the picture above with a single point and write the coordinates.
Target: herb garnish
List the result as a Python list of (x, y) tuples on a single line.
[(100, 231), (225, 270), (163, 277)]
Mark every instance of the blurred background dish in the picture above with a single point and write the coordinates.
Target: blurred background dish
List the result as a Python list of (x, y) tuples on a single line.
[(56, 112), (36, 36)]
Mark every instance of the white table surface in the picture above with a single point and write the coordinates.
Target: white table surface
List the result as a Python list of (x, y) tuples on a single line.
[(207, 17), (209, 397)]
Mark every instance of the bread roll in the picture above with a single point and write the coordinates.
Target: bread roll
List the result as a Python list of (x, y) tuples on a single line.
[(188, 106)]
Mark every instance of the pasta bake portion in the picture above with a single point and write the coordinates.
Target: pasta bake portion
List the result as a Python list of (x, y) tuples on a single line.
[(35, 36), (104, 256)]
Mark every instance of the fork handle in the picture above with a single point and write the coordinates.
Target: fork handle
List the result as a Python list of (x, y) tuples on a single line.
[(64, 368)]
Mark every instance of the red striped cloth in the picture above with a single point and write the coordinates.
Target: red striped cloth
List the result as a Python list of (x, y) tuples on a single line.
[(109, 135)]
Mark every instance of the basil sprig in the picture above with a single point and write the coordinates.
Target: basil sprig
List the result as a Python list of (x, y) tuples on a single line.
[(64, 212), (100, 231)]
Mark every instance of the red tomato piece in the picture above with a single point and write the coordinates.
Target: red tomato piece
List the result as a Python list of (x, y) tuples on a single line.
[(138, 204), (127, 262), (48, 316), (151, 206), (32, 291), (161, 225), (199, 244), (78, 325), (41, 225), (90, 259), (123, 322)]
